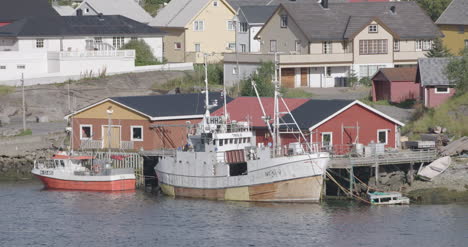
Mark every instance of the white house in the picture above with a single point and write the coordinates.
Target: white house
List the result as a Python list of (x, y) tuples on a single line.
[(72, 45), (128, 8)]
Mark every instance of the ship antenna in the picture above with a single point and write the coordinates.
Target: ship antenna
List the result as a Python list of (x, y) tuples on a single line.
[(276, 109)]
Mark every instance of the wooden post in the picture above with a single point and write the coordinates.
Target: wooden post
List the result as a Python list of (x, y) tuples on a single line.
[(376, 173), (411, 173), (24, 102), (351, 180)]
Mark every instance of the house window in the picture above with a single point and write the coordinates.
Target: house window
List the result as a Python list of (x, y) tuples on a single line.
[(243, 48), (234, 70), (231, 25), (461, 29), (347, 47), (231, 46), (297, 47), (442, 90), (137, 133), (396, 45), (98, 40), (382, 136), (2, 67), (327, 47), (373, 29), (284, 21), (86, 132), (118, 42), (198, 25), (244, 27), (197, 48), (466, 43), (329, 71), (273, 46), (133, 38), (423, 45), (21, 66), (369, 70), (87, 10), (327, 140), (177, 45), (373, 46), (39, 43), (215, 3)]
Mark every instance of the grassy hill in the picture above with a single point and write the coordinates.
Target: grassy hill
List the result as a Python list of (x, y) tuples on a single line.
[(452, 115)]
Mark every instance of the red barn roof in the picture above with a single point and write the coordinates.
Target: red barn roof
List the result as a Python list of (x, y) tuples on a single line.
[(247, 108), (398, 74)]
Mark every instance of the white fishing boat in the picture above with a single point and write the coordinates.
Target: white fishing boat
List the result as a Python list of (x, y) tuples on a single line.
[(435, 168), (222, 161), (387, 198)]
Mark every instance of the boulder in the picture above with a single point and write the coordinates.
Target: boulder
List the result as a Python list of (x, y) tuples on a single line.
[(4, 119), (43, 119)]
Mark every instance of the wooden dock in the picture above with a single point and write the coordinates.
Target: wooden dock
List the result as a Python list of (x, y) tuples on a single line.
[(387, 158)]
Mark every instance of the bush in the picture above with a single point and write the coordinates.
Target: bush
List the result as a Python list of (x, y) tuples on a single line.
[(365, 81), (6, 89), (263, 80), (143, 53)]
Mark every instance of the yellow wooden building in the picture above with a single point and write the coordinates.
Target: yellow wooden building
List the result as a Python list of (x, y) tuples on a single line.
[(454, 25)]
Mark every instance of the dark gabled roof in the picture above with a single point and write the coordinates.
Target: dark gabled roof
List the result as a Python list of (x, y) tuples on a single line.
[(13, 10), (257, 14), (455, 14), (314, 111), (172, 105), (408, 22), (432, 71), (398, 74), (76, 26)]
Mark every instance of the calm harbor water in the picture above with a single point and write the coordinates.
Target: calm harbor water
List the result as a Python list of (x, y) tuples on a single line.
[(30, 216)]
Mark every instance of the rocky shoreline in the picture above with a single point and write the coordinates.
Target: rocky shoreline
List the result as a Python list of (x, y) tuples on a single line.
[(18, 167)]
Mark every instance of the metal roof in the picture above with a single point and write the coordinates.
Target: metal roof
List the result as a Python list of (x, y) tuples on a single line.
[(178, 13), (432, 71), (398, 74), (455, 14), (128, 8), (77, 26), (408, 21), (12, 10), (257, 14)]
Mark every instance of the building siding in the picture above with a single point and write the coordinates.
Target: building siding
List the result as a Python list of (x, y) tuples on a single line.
[(368, 123), (435, 99), (454, 39)]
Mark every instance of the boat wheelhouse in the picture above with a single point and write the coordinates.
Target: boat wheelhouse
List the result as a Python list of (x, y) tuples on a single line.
[(387, 198)]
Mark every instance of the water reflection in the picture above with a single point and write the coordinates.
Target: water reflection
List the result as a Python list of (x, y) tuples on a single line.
[(31, 216)]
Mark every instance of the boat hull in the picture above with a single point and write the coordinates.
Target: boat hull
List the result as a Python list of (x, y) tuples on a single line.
[(113, 185), (295, 190)]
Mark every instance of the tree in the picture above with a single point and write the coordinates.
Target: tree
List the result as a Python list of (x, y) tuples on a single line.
[(143, 53), (263, 80), (433, 8), (438, 49), (457, 72)]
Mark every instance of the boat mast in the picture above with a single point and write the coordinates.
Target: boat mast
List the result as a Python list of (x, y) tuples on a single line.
[(207, 112), (276, 137)]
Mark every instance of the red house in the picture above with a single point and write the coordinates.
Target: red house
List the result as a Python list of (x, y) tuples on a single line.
[(248, 109), (435, 87), (395, 85), (336, 125)]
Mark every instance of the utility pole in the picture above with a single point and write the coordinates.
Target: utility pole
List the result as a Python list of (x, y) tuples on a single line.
[(24, 102), (276, 109)]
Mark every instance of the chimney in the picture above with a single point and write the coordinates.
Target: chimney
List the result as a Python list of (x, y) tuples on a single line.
[(324, 4), (393, 9)]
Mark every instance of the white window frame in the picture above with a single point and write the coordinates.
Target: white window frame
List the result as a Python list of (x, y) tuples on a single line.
[(330, 145), (328, 72), (243, 27), (373, 28), (231, 25), (118, 42), (3, 67), (466, 43), (423, 45), (243, 48), (197, 27), (177, 44), (199, 47), (284, 21), (234, 70), (386, 135), (90, 131), (297, 45), (276, 46), (442, 92), (231, 46), (327, 47), (396, 45), (40, 43), (98, 40), (131, 133), (215, 3)]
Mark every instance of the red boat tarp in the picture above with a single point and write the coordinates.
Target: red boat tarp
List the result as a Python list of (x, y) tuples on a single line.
[(66, 157)]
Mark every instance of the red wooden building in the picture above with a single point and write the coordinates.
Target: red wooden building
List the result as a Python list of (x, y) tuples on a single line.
[(139, 122), (336, 125), (248, 109), (395, 85), (435, 87)]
